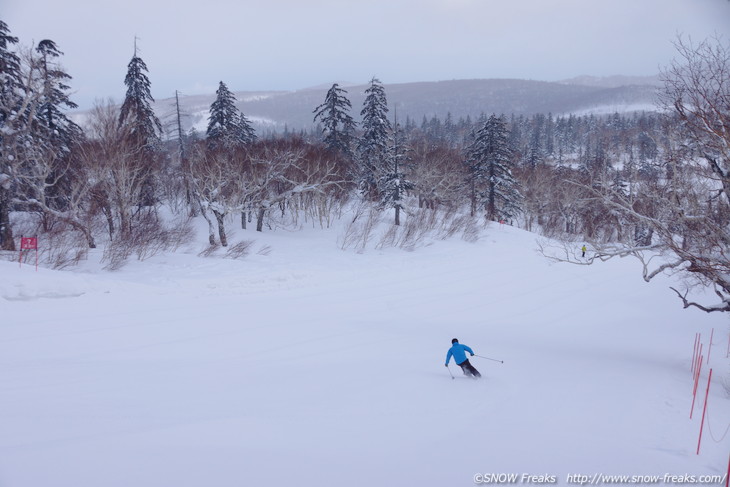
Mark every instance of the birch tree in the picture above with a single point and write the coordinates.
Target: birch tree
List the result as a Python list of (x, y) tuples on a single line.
[(682, 215)]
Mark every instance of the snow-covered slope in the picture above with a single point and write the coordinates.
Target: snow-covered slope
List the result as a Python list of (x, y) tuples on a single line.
[(307, 365)]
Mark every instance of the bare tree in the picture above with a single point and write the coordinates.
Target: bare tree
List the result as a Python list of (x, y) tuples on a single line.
[(18, 106), (696, 88), (282, 175), (216, 178), (44, 178), (45, 173), (682, 218), (119, 172), (438, 174), (284, 169)]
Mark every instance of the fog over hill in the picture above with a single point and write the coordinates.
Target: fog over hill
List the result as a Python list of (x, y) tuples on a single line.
[(613, 81), (276, 111)]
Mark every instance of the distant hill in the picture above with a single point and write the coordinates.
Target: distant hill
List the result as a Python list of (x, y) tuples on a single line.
[(613, 81), (292, 110)]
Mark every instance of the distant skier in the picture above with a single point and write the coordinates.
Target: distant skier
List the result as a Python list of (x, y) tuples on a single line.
[(457, 351), (583, 249)]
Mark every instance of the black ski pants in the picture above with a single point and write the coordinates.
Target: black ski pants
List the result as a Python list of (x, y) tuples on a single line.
[(469, 369)]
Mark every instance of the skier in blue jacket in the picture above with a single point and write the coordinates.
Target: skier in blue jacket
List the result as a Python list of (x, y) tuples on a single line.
[(457, 351)]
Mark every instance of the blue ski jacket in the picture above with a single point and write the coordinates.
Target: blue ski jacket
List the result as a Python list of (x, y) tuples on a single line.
[(457, 351)]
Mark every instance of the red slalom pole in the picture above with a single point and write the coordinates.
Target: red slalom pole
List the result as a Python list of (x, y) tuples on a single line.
[(698, 369), (694, 391), (727, 477), (694, 354), (704, 411), (709, 347)]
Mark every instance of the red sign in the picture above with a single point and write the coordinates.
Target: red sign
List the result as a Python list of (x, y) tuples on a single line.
[(29, 243)]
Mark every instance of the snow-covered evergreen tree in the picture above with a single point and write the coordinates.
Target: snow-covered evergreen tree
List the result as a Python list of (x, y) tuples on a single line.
[(372, 147), (246, 132), (10, 83), (11, 97), (223, 117), (393, 183), (143, 127), (58, 129), (339, 127), (489, 166), (227, 125), (137, 110), (51, 128)]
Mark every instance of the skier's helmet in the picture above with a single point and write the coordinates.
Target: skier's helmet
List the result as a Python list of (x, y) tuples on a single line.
[(454, 340)]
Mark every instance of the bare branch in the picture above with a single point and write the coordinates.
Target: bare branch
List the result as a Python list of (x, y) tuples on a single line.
[(724, 307)]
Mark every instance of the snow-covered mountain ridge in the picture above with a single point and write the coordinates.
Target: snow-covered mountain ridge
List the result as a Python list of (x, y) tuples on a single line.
[(292, 110)]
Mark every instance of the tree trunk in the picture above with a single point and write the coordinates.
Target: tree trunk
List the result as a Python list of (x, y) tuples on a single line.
[(7, 242), (84, 230), (109, 219), (87, 234), (221, 228), (492, 206), (260, 220), (125, 222), (473, 199), (193, 210), (211, 229)]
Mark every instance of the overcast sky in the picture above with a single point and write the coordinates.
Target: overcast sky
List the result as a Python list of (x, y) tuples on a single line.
[(293, 44)]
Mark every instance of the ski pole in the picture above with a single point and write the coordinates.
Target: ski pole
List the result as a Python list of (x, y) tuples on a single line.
[(452, 375), (493, 359)]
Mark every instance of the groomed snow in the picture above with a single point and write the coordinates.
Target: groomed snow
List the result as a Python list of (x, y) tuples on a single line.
[(314, 366)]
